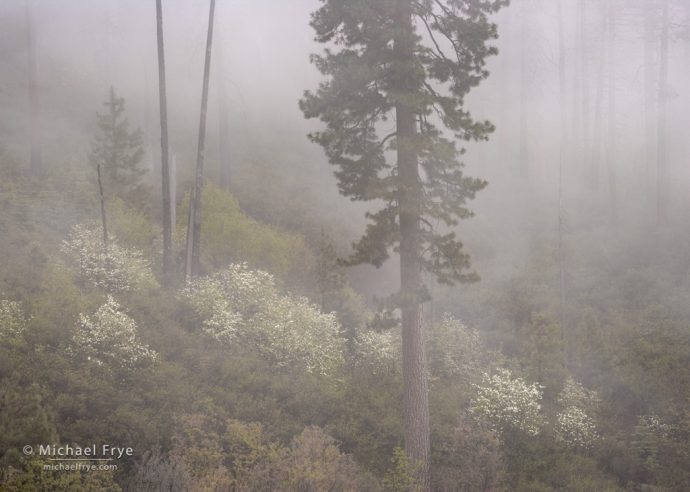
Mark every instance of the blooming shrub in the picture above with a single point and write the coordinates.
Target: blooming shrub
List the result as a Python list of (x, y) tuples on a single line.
[(109, 338), (118, 269), (239, 305), (12, 320), (505, 401), (455, 351), (376, 350), (574, 426)]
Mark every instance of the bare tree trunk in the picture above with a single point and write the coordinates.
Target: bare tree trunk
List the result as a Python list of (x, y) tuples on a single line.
[(611, 145), (103, 216), (199, 181), (662, 180), (416, 393), (190, 239), (165, 162), (36, 156)]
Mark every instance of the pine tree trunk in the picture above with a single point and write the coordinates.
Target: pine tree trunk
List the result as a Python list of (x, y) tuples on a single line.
[(104, 222), (165, 158), (36, 155), (661, 159), (199, 181), (416, 395)]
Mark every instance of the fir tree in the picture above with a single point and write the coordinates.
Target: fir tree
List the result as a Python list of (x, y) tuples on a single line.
[(119, 151), (413, 63)]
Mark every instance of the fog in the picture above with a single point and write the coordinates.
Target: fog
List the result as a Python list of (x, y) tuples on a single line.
[(584, 219)]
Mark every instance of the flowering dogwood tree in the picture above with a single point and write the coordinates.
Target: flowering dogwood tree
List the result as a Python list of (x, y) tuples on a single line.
[(109, 338), (574, 424), (12, 320), (239, 305), (505, 402), (117, 269)]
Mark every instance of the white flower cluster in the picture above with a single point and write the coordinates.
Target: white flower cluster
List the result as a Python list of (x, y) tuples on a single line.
[(504, 401), (243, 306), (455, 350), (654, 424), (12, 320), (110, 338), (377, 350), (118, 269), (574, 425)]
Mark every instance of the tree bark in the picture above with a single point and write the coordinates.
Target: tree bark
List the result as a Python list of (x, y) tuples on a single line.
[(165, 158), (103, 215), (416, 393), (199, 181)]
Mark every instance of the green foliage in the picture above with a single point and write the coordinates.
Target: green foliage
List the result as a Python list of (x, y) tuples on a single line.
[(401, 476), (383, 65), (119, 153), (33, 477), (244, 307), (229, 236), (25, 419)]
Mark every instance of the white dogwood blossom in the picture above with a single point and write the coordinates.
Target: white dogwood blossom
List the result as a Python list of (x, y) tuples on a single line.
[(575, 428), (12, 320), (109, 338), (117, 269), (574, 424), (239, 305), (377, 350), (455, 350), (504, 401)]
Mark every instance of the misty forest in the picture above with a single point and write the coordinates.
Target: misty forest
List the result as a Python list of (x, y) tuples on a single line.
[(345, 245)]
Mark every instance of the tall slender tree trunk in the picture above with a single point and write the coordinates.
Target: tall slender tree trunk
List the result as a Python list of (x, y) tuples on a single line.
[(104, 221), (416, 393), (165, 148), (199, 181), (36, 154), (662, 175), (611, 131)]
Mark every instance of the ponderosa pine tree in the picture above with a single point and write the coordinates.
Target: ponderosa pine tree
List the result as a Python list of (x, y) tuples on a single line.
[(119, 151), (413, 62)]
